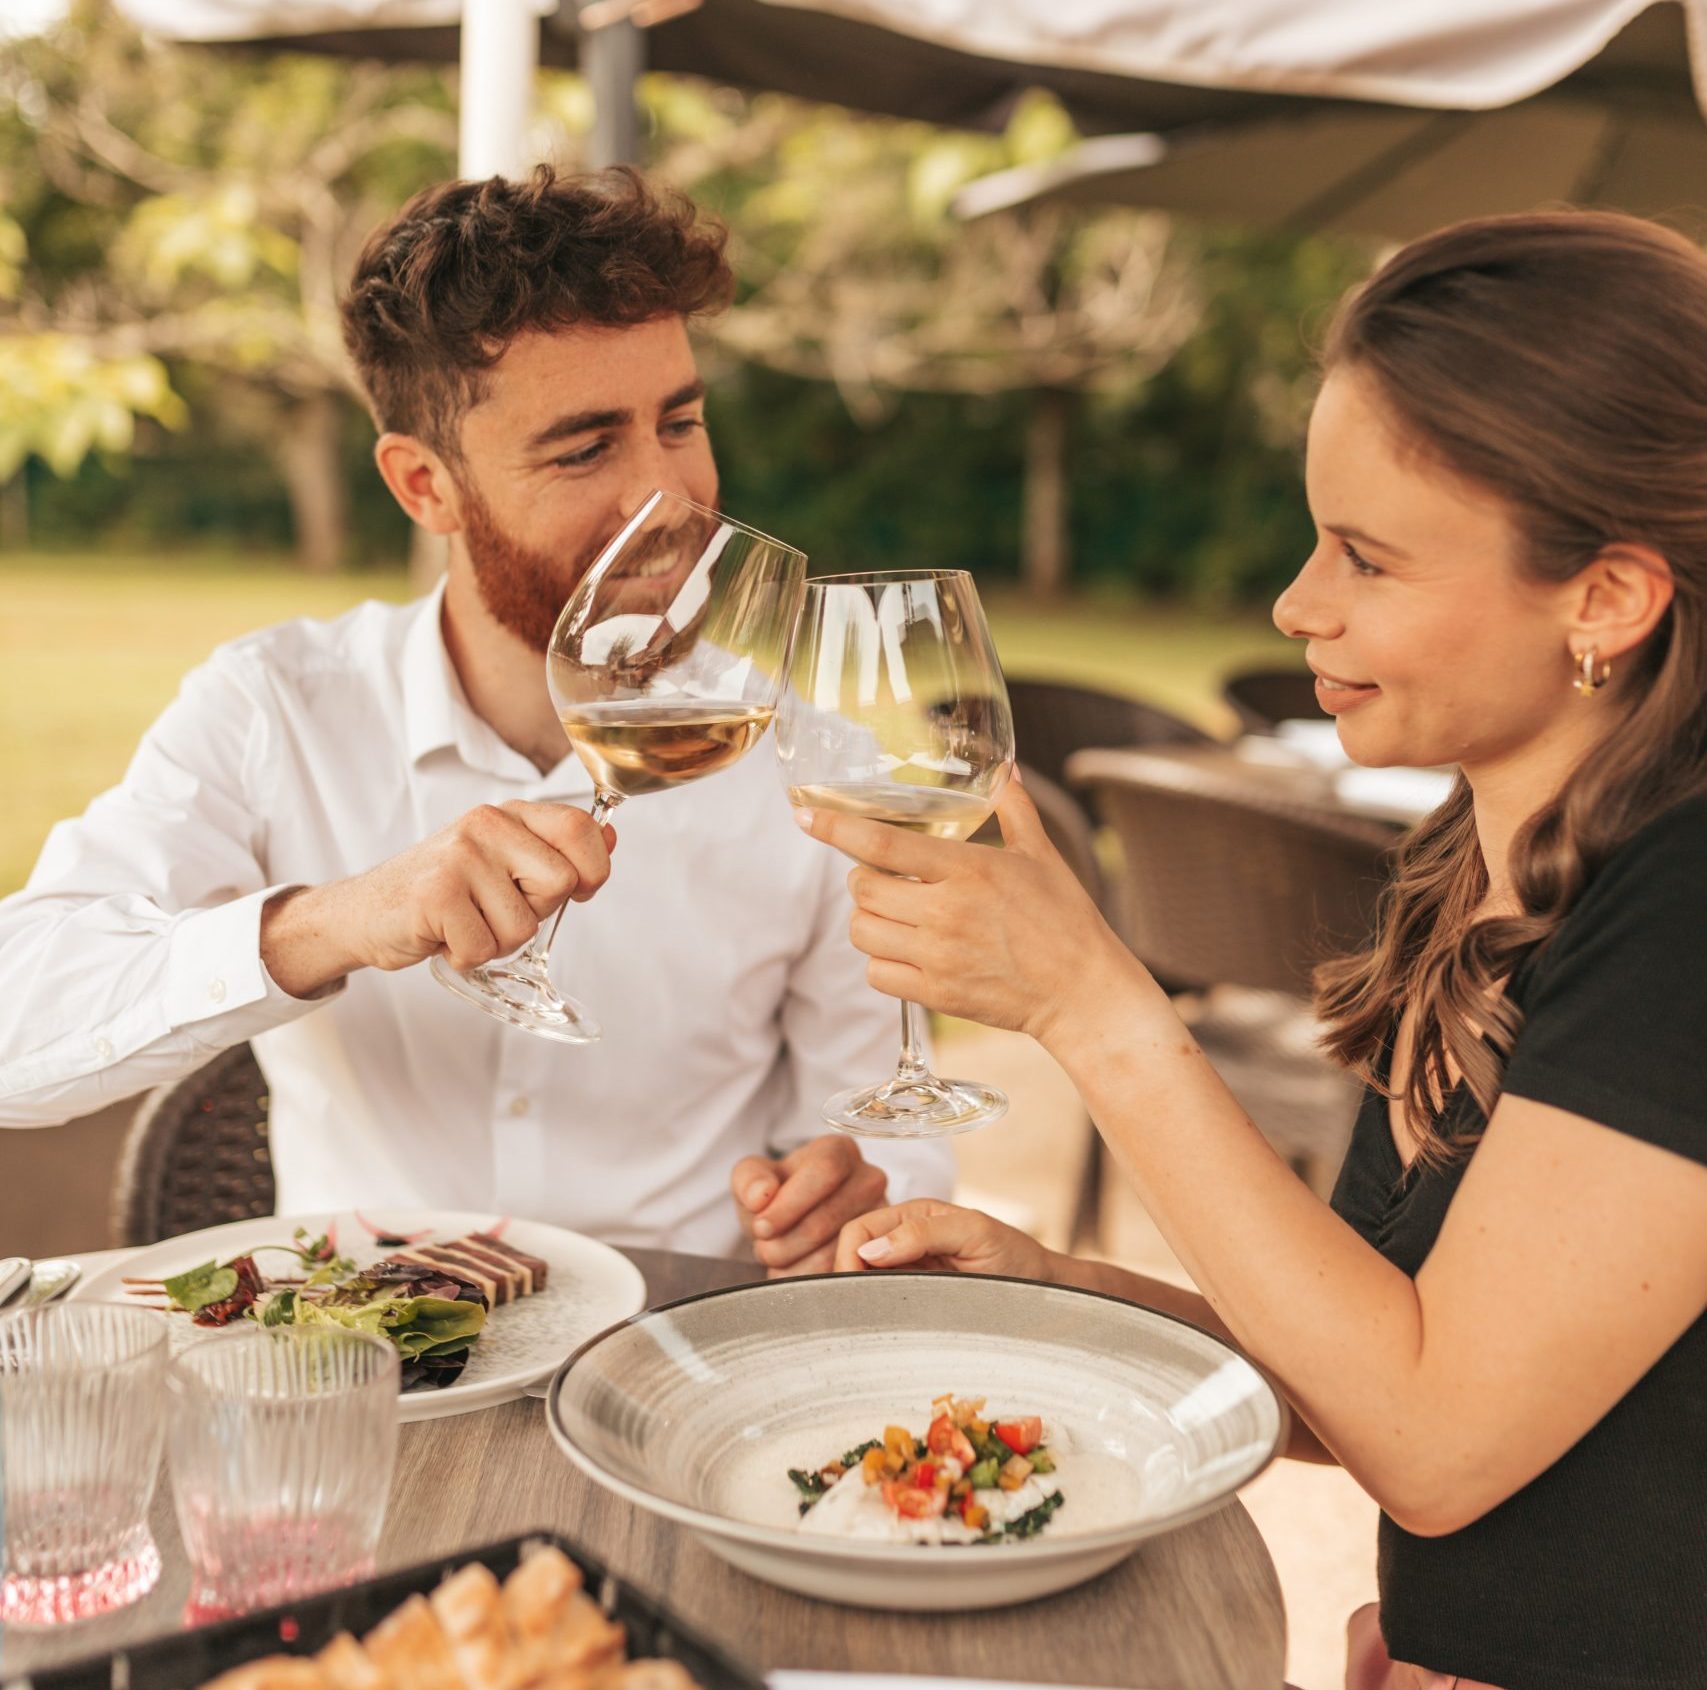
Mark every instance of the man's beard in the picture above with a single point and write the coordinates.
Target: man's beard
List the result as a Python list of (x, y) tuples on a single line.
[(524, 590)]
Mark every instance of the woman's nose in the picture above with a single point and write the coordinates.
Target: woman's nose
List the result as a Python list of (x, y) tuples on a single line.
[(1305, 610)]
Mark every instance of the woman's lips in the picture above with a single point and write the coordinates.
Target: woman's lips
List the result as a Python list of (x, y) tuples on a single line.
[(1336, 697)]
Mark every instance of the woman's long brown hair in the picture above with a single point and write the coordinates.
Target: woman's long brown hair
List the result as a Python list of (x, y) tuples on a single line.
[(1558, 360)]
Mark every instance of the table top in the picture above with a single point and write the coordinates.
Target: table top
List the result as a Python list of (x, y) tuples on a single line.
[(1396, 798), (1197, 1609)]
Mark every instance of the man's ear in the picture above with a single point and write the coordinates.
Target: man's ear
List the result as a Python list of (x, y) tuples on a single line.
[(1618, 600), (419, 482)]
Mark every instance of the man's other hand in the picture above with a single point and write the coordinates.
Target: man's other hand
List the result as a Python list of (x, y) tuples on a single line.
[(794, 1208)]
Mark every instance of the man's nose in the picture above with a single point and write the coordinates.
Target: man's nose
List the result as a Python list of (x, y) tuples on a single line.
[(654, 470), (1306, 610)]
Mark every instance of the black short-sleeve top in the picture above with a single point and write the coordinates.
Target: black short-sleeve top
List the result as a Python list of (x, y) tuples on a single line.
[(1594, 1575)]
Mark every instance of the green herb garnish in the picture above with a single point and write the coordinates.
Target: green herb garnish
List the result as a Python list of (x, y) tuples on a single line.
[(810, 1485), (1029, 1524)]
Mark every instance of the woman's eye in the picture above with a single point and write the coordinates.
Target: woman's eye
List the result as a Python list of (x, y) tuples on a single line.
[(1357, 560)]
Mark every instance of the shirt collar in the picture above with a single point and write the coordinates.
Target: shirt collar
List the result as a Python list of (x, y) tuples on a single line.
[(437, 715)]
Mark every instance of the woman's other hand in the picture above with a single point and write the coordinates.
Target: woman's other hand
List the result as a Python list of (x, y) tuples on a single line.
[(926, 1233)]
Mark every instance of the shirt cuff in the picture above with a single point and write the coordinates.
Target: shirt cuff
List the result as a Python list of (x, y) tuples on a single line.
[(214, 968)]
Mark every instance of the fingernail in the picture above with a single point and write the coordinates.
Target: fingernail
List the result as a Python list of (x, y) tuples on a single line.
[(762, 1229), (875, 1250), (758, 1194), (803, 819)]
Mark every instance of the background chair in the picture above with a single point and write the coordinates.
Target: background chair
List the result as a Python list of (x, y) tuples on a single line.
[(1053, 719), (196, 1154), (1235, 892), (1263, 698)]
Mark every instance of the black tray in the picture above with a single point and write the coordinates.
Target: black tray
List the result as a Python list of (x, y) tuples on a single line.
[(190, 1658)]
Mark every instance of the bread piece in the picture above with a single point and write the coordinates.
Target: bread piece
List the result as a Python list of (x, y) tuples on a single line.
[(346, 1665), (469, 1605), (410, 1648), (559, 1633), (271, 1672), (654, 1675)]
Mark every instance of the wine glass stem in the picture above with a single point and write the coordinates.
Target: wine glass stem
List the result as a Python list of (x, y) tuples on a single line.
[(603, 804), (911, 1066)]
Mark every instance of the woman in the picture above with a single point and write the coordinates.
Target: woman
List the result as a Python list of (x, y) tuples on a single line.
[(1497, 1326)]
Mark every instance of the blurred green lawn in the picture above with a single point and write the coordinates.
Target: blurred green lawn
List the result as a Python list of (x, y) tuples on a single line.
[(92, 648)]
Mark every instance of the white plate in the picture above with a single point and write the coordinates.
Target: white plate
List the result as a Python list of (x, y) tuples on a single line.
[(591, 1286)]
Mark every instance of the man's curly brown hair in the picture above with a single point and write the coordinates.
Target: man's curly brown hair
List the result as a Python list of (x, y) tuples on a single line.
[(442, 290)]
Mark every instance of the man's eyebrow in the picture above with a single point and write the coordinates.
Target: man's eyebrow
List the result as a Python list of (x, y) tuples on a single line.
[(1346, 532), (682, 396), (578, 422)]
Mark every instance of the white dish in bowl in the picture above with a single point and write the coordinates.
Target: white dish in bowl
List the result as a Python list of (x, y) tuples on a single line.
[(696, 1410)]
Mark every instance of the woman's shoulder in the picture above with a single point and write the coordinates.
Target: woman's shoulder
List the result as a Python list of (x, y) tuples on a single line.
[(1658, 874)]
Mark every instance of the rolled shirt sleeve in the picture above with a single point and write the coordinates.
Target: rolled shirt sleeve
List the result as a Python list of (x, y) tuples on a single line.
[(133, 954)]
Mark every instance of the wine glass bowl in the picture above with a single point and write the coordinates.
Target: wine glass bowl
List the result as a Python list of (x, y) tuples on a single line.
[(897, 711), (664, 667)]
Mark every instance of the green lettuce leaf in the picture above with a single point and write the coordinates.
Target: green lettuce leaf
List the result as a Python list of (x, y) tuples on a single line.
[(196, 1289)]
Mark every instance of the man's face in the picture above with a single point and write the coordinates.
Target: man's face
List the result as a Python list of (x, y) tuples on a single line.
[(576, 428)]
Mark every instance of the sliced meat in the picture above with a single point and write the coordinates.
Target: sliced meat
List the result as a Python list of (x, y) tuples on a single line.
[(413, 1259), (498, 1286), (521, 1258), (472, 1246)]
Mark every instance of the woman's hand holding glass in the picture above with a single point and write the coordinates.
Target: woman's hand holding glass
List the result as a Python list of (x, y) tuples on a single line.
[(1005, 937)]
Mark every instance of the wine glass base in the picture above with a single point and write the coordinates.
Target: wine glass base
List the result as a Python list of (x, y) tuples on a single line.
[(926, 1107), (520, 995)]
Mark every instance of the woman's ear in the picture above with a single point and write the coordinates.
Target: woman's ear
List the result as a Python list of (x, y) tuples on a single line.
[(1618, 600), (419, 482)]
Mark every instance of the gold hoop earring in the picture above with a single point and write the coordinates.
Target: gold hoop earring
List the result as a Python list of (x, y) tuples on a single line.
[(1591, 673)]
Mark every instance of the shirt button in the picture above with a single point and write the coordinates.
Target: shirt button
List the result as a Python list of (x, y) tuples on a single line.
[(216, 991), (104, 1050), (519, 1106)]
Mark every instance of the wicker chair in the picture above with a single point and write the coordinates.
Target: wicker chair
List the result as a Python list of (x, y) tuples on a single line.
[(1236, 891), (196, 1154), (1263, 698), (1068, 827), (1053, 719)]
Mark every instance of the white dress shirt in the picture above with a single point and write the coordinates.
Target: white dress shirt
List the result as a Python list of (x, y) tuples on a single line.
[(716, 958)]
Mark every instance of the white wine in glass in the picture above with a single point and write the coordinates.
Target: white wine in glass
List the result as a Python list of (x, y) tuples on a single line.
[(664, 667), (896, 710)]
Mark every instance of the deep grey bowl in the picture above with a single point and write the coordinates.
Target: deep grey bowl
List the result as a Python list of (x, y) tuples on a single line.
[(696, 1411)]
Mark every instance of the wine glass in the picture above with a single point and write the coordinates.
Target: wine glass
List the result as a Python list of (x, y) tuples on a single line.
[(896, 710), (664, 666)]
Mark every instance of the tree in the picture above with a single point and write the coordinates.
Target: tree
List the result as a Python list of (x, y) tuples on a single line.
[(181, 206), (855, 272)]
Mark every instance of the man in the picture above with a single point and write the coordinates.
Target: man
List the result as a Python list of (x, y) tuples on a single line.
[(327, 805)]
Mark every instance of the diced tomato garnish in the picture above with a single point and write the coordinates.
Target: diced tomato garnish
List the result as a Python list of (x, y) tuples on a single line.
[(974, 1513), (945, 1438), (911, 1503), (1021, 1436), (925, 1476)]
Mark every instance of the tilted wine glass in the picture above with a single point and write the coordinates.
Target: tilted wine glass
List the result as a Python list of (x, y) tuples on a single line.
[(896, 710), (664, 666)]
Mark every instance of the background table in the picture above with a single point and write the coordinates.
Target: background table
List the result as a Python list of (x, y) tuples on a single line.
[(1198, 1609)]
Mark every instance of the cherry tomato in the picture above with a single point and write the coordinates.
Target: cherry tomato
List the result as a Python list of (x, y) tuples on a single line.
[(1021, 1436)]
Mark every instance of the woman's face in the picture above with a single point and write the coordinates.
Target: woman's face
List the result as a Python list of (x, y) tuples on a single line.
[(1428, 644)]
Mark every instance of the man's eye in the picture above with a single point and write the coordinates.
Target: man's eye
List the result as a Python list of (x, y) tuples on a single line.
[(580, 460), (1357, 560), (682, 427)]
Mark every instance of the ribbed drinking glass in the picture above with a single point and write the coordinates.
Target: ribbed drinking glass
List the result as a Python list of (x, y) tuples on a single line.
[(82, 1417), (282, 1445)]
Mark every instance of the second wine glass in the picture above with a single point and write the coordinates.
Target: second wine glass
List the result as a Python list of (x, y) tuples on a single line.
[(664, 666), (897, 711)]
